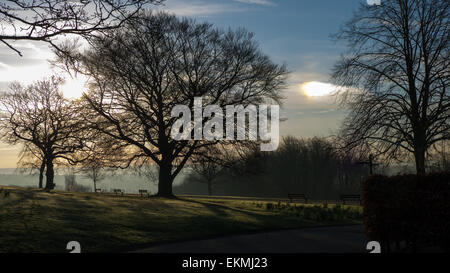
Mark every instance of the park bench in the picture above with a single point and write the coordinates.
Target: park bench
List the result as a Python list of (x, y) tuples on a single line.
[(98, 190), (5, 192), (350, 197), (297, 196), (142, 192), (117, 191)]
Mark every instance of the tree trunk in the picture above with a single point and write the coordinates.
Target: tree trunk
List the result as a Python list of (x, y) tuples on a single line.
[(165, 181), (209, 187), (420, 137), (95, 186), (419, 155), (41, 174), (50, 175)]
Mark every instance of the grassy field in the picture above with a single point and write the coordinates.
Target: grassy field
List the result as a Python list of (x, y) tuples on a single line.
[(35, 221)]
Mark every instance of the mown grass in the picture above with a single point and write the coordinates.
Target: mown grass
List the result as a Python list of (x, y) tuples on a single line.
[(35, 221)]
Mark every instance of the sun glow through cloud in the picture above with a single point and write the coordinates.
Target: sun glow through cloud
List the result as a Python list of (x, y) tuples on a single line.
[(74, 88), (317, 89)]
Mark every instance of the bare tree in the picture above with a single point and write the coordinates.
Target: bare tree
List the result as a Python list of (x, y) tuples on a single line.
[(148, 170), (207, 165), (100, 155), (39, 117), (70, 181), (94, 168), (158, 61), (396, 77), (31, 160), (43, 20)]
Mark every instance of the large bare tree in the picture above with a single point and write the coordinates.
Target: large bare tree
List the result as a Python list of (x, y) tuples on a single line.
[(43, 20), (39, 117), (158, 61), (396, 77)]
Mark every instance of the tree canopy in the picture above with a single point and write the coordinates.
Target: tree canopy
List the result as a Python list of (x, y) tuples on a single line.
[(395, 78), (157, 61), (43, 20)]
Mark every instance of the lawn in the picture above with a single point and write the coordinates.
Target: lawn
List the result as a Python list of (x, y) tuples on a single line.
[(35, 221)]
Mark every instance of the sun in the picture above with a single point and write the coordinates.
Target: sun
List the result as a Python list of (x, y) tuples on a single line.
[(73, 88), (317, 89)]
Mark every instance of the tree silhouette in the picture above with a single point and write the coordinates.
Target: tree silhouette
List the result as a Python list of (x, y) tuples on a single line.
[(315, 167), (398, 74), (207, 165), (39, 117), (44, 20), (140, 72), (94, 168), (100, 156)]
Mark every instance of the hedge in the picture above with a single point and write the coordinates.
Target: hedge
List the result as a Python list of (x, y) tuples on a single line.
[(408, 208)]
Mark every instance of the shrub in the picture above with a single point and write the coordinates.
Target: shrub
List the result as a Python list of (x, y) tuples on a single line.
[(407, 208), (269, 206)]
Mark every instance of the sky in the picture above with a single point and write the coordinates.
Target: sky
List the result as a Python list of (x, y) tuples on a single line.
[(291, 32)]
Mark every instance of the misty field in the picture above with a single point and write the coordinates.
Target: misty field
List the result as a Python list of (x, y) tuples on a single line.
[(32, 220)]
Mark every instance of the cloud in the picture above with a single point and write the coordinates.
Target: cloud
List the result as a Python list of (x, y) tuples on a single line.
[(27, 69), (24, 74), (198, 8), (34, 53), (4, 66), (257, 2), (311, 122)]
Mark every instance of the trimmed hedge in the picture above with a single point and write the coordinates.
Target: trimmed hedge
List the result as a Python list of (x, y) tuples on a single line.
[(408, 208)]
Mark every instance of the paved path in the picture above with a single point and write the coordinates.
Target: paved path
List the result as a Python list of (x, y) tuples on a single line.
[(337, 239)]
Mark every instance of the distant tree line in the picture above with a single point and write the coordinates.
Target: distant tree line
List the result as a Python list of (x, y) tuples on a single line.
[(315, 167)]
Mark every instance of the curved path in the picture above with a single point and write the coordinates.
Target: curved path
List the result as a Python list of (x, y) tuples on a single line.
[(335, 239)]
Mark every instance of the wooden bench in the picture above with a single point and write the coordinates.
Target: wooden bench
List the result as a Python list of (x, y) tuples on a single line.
[(5, 192), (117, 191), (297, 196), (142, 192), (98, 191), (351, 197)]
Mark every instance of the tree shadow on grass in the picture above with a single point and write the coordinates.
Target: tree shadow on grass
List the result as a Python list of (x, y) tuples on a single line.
[(110, 224), (220, 210)]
